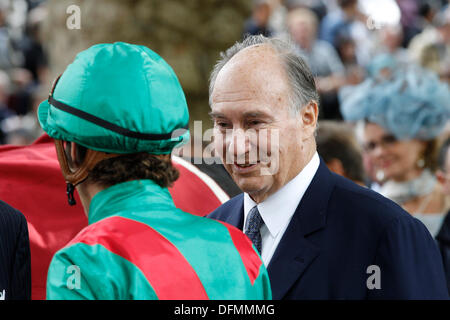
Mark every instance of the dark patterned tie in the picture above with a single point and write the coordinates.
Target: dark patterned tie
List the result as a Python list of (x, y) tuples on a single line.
[(253, 226)]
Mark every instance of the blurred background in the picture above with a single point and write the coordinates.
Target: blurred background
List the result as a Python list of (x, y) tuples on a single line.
[(338, 38)]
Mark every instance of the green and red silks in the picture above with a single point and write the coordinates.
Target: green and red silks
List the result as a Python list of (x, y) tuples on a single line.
[(138, 245), (32, 182)]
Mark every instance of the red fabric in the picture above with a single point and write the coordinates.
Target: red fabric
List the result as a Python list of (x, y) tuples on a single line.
[(244, 246), (31, 181), (162, 265)]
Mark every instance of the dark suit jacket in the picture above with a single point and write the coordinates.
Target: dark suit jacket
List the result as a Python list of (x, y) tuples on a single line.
[(15, 266), (340, 229), (443, 239)]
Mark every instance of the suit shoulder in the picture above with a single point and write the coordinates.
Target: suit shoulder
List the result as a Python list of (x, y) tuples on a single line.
[(223, 211), (363, 201), (10, 218)]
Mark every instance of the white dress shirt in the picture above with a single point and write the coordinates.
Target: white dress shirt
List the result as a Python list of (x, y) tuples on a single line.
[(278, 209)]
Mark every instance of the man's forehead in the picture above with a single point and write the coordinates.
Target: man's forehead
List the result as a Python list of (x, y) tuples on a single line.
[(252, 68), (255, 54)]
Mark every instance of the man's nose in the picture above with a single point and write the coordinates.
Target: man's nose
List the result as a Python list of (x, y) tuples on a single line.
[(238, 144)]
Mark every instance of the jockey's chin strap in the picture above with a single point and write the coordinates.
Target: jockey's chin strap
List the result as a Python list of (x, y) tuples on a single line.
[(73, 178)]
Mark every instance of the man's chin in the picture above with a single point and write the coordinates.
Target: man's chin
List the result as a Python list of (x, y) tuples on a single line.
[(250, 184)]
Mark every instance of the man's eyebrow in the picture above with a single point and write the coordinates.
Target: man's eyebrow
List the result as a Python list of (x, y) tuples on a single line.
[(216, 115), (248, 114), (256, 114)]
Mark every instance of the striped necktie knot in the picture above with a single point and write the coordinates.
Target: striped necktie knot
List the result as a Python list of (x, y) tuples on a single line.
[(252, 227)]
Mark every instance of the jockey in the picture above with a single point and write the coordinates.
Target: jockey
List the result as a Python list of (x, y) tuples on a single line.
[(115, 115)]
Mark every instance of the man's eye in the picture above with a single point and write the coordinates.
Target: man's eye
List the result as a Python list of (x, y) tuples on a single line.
[(254, 122), (221, 124)]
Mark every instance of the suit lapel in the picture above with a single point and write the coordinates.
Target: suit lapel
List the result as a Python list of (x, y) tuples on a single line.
[(236, 218), (295, 253)]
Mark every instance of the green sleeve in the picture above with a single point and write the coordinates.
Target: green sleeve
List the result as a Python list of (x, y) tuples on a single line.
[(262, 285), (84, 271)]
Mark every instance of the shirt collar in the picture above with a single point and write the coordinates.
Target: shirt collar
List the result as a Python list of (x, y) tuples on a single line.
[(125, 196), (278, 208)]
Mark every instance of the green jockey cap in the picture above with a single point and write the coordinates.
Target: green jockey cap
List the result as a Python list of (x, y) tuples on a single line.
[(117, 98)]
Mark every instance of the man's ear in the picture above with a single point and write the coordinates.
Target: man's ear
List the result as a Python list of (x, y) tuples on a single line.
[(309, 114)]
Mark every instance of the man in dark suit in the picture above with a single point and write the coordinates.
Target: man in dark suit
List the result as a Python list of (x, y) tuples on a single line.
[(15, 270), (320, 235)]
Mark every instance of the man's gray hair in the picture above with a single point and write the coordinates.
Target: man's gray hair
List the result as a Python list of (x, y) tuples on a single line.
[(300, 77)]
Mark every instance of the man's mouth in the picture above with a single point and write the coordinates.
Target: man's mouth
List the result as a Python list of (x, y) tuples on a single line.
[(245, 165), (243, 168)]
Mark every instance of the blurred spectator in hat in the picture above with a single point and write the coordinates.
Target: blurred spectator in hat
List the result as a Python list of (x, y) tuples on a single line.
[(258, 23), (404, 110), (338, 147)]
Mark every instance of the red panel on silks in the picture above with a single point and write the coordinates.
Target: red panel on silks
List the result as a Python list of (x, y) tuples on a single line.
[(138, 245), (161, 265), (31, 181)]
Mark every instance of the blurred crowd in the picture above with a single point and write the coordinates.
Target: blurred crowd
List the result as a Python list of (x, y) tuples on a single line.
[(340, 38), (23, 69)]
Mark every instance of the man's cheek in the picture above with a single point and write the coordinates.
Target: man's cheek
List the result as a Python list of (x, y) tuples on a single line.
[(219, 146), (270, 153)]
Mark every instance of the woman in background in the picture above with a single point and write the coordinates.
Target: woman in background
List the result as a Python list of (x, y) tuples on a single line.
[(403, 111)]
